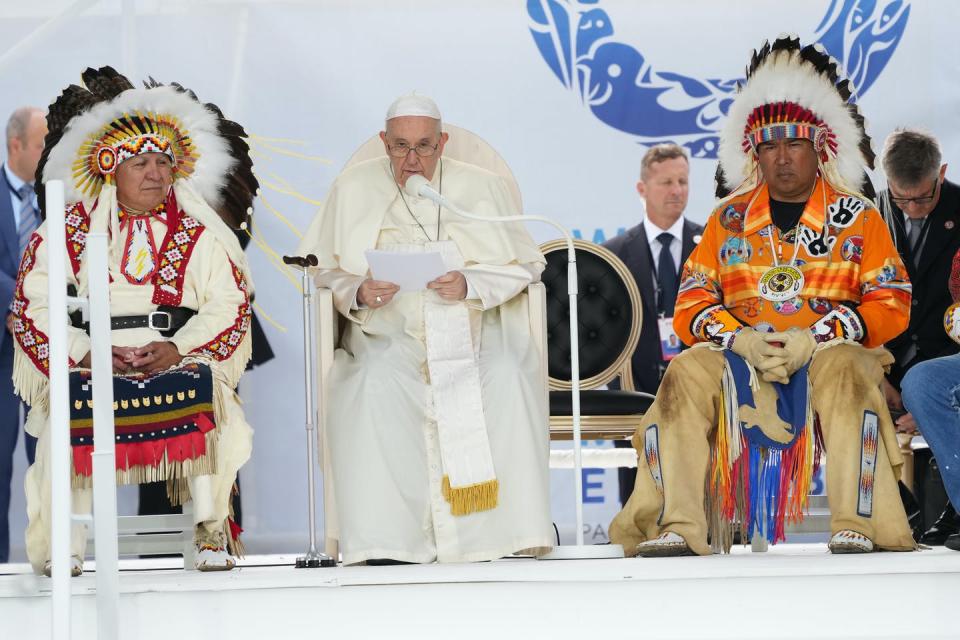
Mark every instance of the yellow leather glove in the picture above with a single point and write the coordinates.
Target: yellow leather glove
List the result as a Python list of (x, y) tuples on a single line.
[(799, 345), (754, 347)]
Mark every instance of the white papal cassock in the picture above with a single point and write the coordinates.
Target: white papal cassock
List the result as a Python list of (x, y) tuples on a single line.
[(393, 420)]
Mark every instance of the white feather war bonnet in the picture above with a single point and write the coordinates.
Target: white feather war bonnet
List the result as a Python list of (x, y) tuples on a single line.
[(794, 92), (95, 127)]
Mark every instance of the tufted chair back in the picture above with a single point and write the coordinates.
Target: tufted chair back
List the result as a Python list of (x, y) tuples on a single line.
[(609, 313)]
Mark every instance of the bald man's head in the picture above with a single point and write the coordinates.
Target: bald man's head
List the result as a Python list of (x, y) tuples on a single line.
[(26, 130)]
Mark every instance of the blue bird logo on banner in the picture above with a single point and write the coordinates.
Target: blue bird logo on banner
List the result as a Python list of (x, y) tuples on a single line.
[(624, 90)]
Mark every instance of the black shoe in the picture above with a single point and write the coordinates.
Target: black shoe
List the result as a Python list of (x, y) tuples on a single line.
[(953, 542), (946, 525), (382, 562)]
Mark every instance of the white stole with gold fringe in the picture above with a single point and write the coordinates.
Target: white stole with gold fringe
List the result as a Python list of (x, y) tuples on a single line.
[(469, 482)]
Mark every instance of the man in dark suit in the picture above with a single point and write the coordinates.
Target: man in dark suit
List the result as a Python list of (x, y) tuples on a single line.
[(923, 211), (654, 251), (19, 217)]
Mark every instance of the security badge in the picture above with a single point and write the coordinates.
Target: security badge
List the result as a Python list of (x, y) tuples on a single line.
[(781, 282), (670, 344)]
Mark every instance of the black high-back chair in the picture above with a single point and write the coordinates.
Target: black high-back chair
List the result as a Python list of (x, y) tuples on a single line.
[(610, 316)]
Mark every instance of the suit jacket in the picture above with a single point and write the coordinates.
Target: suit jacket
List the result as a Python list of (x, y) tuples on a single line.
[(633, 248), (930, 277), (9, 255)]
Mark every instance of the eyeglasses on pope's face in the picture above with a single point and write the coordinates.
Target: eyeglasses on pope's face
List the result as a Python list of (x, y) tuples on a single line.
[(402, 149), (921, 200)]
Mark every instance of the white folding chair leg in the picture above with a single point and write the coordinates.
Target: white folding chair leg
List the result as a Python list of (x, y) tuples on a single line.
[(188, 545), (156, 535)]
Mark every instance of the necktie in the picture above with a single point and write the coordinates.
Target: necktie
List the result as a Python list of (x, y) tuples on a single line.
[(666, 276), (28, 216), (913, 237)]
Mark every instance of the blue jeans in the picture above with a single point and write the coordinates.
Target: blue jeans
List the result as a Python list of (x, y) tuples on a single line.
[(931, 393)]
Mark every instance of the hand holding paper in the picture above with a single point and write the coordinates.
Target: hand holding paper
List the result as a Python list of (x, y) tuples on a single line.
[(376, 293), (450, 286)]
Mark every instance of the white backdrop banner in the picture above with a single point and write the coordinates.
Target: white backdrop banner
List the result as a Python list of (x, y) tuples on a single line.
[(570, 93)]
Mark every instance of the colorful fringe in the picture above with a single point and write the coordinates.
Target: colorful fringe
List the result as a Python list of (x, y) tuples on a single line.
[(757, 485), (164, 426)]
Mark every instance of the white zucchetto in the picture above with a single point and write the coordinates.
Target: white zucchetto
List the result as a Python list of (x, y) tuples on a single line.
[(413, 105)]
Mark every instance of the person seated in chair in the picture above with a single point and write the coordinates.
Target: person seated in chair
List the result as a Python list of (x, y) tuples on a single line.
[(148, 167), (931, 391), (922, 208), (795, 282), (437, 421)]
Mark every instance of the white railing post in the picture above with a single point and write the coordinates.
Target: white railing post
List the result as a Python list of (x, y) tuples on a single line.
[(60, 468), (104, 457)]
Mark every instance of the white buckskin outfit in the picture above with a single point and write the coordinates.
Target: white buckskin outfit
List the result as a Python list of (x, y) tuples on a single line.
[(183, 425)]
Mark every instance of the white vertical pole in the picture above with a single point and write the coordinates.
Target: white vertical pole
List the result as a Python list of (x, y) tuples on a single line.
[(572, 290), (104, 458), (60, 468)]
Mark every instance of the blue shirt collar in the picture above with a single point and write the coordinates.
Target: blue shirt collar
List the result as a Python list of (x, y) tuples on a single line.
[(13, 180)]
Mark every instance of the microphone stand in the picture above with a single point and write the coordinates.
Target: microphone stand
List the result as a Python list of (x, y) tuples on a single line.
[(313, 558), (418, 185)]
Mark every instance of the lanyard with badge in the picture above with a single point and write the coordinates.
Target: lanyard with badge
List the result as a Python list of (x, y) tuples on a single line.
[(670, 345)]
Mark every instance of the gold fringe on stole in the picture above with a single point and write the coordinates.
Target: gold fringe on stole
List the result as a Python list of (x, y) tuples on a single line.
[(471, 498)]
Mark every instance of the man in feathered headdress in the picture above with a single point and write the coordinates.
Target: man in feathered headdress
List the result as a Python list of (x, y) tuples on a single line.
[(795, 283), (151, 167)]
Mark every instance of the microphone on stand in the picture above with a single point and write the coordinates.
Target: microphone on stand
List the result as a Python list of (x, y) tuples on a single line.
[(418, 186)]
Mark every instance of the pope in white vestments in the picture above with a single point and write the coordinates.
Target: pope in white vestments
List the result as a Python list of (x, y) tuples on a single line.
[(437, 418)]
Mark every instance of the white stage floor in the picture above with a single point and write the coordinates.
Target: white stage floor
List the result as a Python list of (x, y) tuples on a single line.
[(792, 591)]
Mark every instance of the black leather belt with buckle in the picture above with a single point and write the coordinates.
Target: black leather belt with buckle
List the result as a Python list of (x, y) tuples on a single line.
[(167, 320)]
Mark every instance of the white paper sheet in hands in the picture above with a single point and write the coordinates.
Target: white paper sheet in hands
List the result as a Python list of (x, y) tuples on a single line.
[(411, 271)]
